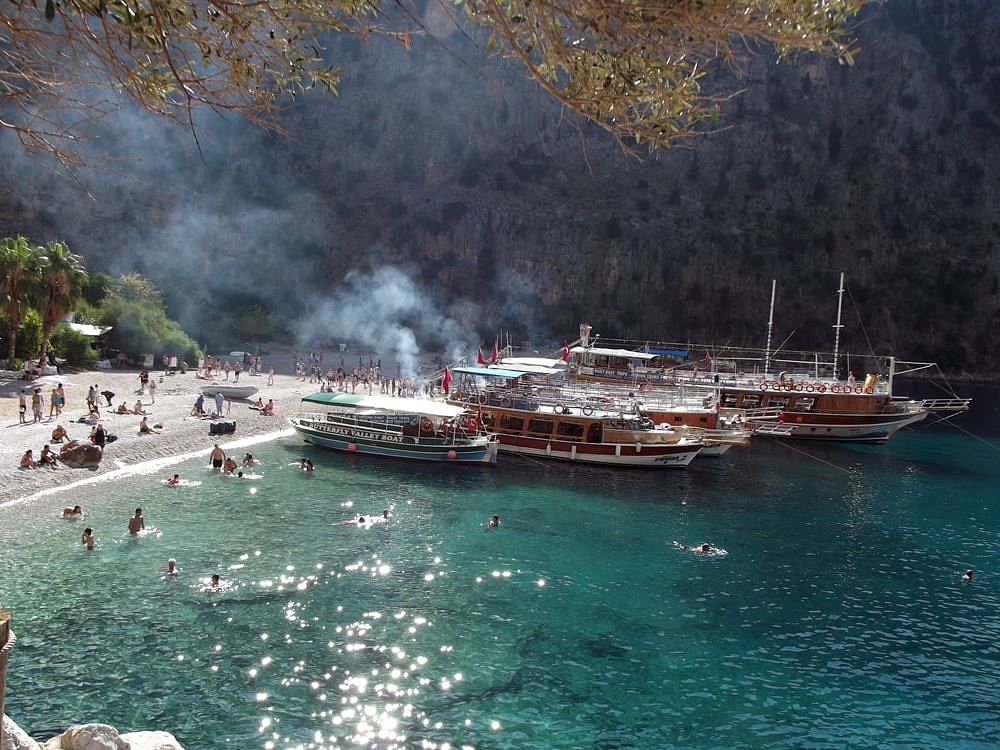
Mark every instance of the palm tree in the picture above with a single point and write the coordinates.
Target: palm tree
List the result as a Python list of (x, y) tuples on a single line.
[(62, 283), (20, 270)]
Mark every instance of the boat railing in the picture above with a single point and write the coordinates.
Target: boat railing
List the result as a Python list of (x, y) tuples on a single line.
[(945, 404)]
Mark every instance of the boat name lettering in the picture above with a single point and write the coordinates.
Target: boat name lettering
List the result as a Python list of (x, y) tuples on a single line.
[(354, 433)]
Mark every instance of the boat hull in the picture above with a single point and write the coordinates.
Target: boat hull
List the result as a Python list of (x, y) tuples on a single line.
[(841, 428), (230, 391), (364, 441), (640, 455)]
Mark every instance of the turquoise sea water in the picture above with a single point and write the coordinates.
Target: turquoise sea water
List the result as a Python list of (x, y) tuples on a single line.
[(837, 618)]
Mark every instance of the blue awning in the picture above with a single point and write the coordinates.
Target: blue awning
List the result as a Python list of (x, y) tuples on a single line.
[(661, 352)]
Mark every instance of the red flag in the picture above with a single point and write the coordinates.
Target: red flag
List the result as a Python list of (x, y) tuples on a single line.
[(493, 356), (480, 359), (565, 354), (708, 360), (446, 381)]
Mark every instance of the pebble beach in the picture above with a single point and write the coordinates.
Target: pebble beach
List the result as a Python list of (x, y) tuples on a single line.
[(175, 394)]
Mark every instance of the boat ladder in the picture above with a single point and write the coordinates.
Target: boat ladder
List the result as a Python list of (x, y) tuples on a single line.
[(772, 429), (945, 404)]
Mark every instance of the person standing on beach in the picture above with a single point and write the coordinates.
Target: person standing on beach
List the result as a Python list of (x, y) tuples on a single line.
[(52, 403), (136, 523), (60, 399), (237, 369), (220, 401), (36, 405), (152, 390), (22, 405), (270, 376)]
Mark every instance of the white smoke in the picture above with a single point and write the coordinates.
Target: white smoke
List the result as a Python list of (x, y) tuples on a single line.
[(386, 311)]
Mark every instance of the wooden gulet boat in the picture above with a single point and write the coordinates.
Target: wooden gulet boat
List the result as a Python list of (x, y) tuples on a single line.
[(795, 395), (529, 425), (407, 428)]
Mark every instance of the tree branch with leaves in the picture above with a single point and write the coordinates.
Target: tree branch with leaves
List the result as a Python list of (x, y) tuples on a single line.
[(633, 67)]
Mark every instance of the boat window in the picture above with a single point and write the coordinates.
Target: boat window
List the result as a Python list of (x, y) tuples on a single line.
[(570, 429), (751, 400), (804, 404), (511, 423), (543, 426), (778, 403), (729, 399)]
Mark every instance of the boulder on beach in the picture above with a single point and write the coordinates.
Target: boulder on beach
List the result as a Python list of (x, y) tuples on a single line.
[(79, 455), (152, 741), (12, 737), (88, 737)]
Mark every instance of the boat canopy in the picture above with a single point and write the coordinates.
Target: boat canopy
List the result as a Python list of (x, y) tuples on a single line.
[(539, 365), (623, 353), (491, 372), (387, 404)]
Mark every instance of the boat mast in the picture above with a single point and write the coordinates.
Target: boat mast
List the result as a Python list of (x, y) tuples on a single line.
[(770, 325), (836, 328)]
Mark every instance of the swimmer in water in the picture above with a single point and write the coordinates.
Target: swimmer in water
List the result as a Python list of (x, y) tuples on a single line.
[(136, 523), (967, 578), (76, 510), (175, 479), (171, 569), (701, 549), (385, 514), (494, 522), (88, 538), (215, 580)]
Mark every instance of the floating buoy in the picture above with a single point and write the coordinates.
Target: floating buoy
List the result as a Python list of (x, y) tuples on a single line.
[(452, 455), (351, 447)]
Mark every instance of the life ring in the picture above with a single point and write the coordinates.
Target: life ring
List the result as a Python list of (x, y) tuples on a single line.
[(870, 389), (763, 386), (559, 409), (482, 399), (788, 386), (798, 387), (587, 410), (835, 388), (505, 402), (858, 389), (821, 388), (810, 388)]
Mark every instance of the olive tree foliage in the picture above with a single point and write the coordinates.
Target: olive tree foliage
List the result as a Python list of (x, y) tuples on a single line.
[(169, 56), (632, 66), (635, 67)]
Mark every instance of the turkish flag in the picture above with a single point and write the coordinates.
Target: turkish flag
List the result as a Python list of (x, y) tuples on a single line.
[(480, 359)]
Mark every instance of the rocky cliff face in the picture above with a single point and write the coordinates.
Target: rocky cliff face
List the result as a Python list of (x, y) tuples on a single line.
[(462, 173)]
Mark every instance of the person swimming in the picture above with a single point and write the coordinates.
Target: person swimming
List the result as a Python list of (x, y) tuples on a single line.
[(493, 523), (967, 578), (76, 510), (701, 549), (88, 538), (171, 569)]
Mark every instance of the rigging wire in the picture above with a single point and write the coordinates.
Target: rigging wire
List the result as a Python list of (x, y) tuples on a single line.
[(809, 455)]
